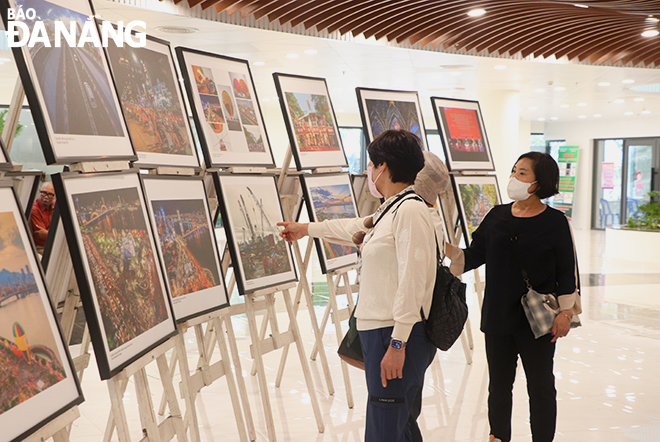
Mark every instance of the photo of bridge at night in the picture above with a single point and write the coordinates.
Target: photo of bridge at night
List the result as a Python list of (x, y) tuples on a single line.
[(187, 245), (29, 358), (122, 261)]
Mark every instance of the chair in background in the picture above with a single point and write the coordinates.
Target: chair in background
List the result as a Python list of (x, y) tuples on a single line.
[(607, 214)]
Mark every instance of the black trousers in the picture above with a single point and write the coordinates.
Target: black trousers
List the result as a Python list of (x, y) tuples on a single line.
[(537, 358)]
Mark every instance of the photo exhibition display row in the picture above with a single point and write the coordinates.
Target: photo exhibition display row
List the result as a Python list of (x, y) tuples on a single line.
[(146, 249)]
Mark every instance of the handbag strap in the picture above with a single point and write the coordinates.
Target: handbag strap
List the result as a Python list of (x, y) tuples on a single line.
[(514, 242)]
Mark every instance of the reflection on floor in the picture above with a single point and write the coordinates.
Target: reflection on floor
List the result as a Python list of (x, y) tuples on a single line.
[(607, 376)]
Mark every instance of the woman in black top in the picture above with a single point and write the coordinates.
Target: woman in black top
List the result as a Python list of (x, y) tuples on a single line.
[(545, 247)]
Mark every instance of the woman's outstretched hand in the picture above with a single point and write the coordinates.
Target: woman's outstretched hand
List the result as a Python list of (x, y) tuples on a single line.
[(293, 231)]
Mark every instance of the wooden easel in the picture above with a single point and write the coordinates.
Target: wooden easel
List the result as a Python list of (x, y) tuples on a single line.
[(58, 428), (172, 426), (206, 373), (334, 279)]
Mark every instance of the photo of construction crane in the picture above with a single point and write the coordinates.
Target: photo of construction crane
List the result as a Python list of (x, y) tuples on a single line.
[(253, 211)]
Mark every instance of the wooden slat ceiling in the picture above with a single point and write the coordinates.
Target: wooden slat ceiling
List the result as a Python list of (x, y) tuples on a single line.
[(606, 31)]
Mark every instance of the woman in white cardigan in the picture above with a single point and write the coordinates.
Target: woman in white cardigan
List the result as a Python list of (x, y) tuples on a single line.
[(397, 275)]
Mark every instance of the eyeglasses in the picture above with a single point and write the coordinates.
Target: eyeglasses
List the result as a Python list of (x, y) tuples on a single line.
[(49, 194)]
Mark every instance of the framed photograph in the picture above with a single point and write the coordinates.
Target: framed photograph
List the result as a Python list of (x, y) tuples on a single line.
[(70, 90), (116, 264), (181, 218), (150, 96), (38, 381), (26, 183), (226, 109), (475, 195), (310, 121), (383, 110), (5, 162), (463, 134), (331, 197), (251, 208)]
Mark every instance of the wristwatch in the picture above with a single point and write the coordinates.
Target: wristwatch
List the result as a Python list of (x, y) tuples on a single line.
[(397, 345)]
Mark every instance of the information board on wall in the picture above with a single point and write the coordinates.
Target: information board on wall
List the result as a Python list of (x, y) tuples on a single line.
[(568, 162)]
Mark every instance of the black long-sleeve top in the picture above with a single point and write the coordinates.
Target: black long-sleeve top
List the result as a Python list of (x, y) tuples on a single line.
[(544, 245)]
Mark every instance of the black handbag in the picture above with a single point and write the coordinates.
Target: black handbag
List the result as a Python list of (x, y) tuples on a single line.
[(449, 310)]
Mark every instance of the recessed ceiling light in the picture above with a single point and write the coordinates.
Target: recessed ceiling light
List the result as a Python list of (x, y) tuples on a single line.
[(532, 108), (1, 63), (578, 5), (456, 74), (500, 67), (629, 113), (5, 60), (540, 119), (292, 56), (582, 104), (652, 19), (646, 112), (276, 98), (619, 101), (628, 81), (650, 33), (265, 100), (603, 83), (638, 99), (455, 66), (597, 115), (565, 106), (476, 12), (560, 89), (554, 118), (539, 90), (582, 116), (177, 29), (259, 63), (311, 52)]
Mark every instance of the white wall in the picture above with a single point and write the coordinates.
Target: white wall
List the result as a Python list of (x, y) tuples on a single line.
[(582, 133)]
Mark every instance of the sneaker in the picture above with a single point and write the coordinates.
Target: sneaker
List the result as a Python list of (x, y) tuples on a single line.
[(492, 438)]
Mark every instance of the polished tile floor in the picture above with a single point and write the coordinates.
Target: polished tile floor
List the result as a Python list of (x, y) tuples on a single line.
[(607, 375)]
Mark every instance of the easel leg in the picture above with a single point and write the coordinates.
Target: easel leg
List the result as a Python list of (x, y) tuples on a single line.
[(170, 394), (117, 417), (233, 392), (324, 323), (173, 363), (240, 380), (293, 325), (332, 304), (145, 406), (262, 335), (303, 287), (191, 412), (258, 361)]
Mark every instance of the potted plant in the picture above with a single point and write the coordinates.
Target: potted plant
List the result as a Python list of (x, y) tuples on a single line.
[(650, 219)]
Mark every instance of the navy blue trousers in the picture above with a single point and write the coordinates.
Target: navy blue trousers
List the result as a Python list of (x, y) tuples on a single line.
[(392, 412), (537, 358)]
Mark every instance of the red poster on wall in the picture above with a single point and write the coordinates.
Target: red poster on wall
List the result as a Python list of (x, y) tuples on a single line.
[(463, 124)]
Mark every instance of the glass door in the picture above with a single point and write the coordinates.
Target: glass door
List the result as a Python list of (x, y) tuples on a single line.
[(641, 165)]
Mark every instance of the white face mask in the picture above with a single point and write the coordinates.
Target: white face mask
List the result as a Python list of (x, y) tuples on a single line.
[(372, 183), (517, 190)]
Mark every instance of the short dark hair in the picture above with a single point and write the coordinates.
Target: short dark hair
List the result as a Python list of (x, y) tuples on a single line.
[(401, 151), (546, 171)]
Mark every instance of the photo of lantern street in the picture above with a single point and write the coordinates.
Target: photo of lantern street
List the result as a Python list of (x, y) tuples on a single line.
[(122, 263)]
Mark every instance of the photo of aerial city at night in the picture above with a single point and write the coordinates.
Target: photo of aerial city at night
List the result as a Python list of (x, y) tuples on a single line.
[(29, 358), (122, 262), (187, 245), (150, 99), (333, 202), (73, 81), (254, 212)]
